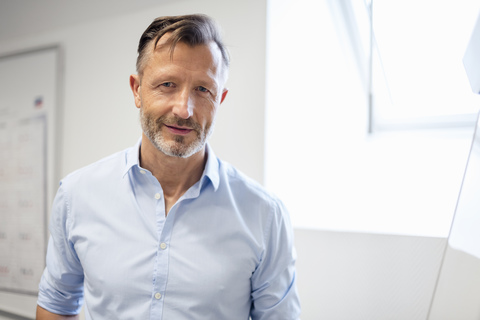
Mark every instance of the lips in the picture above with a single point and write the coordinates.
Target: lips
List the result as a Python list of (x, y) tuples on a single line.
[(179, 130)]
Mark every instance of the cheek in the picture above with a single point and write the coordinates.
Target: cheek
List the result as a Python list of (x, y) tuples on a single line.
[(154, 103), (207, 113)]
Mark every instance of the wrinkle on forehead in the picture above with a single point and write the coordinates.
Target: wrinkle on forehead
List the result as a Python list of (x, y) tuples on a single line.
[(165, 43), (202, 62)]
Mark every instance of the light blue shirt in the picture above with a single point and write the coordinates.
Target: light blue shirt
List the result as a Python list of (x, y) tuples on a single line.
[(224, 251)]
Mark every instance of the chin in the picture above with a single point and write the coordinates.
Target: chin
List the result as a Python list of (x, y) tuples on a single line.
[(178, 151)]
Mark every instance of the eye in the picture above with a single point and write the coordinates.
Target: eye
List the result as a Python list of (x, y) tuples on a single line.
[(167, 84), (202, 89)]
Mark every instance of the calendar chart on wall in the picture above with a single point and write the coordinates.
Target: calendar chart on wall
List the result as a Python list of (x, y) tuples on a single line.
[(28, 113)]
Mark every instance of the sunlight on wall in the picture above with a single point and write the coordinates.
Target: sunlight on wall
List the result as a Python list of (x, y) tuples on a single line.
[(421, 44), (320, 160)]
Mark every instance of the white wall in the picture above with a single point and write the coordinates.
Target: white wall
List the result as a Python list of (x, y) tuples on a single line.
[(99, 116), (361, 276), (349, 276), (335, 269), (320, 160)]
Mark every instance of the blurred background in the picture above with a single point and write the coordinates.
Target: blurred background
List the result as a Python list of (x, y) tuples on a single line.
[(358, 114)]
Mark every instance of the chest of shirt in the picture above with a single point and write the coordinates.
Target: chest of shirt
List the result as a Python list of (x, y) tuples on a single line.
[(206, 247)]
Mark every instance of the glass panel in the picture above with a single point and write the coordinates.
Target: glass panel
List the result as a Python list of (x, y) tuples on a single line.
[(457, 294), (418, 70)]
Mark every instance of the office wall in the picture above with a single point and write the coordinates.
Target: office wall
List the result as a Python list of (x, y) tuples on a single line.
[(341, 275), (362, 276), (99, 52), (349, 276), (99, 115)]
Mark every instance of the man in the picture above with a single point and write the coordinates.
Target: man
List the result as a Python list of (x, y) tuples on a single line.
[(165, 230)]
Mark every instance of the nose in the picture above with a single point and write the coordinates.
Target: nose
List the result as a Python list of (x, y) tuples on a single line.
[(183, 105)]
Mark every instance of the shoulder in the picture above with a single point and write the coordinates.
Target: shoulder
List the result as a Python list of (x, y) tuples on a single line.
[(246, 189), (87, 188), (105, 168)]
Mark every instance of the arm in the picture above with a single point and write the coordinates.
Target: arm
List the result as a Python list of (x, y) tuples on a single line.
[(43, 314), (274, 292), (61, 286)]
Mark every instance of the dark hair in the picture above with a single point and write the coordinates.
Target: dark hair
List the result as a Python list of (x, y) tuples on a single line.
[(195, 29)]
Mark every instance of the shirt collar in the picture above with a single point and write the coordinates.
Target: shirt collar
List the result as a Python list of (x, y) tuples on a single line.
[(211, 167), (132, 159)]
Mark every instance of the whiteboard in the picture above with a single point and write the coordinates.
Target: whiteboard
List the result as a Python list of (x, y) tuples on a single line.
[(28, 170)]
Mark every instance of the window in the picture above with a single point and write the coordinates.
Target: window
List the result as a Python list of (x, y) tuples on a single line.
[(334, 160), (418, 77)]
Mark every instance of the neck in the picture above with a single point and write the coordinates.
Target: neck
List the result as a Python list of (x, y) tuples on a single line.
[(175, 175)]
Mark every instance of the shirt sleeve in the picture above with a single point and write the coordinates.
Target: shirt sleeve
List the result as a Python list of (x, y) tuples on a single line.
[(61, 285), (274, 291)]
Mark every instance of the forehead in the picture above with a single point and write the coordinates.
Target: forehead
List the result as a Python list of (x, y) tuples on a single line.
[(199, 58)]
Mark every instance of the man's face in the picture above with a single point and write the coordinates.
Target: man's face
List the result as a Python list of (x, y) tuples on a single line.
[(178, 96)]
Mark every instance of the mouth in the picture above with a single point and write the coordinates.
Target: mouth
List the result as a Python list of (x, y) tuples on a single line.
[(178, 130)]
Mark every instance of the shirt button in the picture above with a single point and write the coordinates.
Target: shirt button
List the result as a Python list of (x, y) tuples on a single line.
[(143, 171), (163, 246), (157, 196), (158, 295)]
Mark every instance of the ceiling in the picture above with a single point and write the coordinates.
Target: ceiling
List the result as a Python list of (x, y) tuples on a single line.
[(20, 18)]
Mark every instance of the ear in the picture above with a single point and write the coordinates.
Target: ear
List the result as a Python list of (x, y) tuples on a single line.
[(224, 94), (135, 86)]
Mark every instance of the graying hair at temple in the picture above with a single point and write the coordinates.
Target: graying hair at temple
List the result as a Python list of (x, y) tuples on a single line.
[(195, 29)]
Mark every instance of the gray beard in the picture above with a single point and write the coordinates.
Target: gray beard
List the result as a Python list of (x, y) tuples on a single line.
[(152, 128)]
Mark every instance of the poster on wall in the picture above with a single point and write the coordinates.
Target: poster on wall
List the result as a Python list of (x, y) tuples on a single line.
[(27, 125)]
